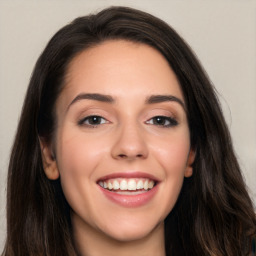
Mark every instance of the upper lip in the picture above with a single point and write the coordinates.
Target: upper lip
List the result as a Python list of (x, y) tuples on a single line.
[(128, 175)]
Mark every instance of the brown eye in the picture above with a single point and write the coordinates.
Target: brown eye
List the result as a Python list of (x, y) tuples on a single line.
[(92, 121), (164, 121)]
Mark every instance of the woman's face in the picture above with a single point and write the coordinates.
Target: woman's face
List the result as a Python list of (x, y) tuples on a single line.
[(122, 140)]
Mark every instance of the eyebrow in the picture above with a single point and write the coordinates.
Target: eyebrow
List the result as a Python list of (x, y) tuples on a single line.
[(92, 96), (109, 99), (164, 98)]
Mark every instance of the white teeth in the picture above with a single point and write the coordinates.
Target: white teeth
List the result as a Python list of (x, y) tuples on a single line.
[(123, 185), (115, 185), (151, 184), (110, 185), (134, 184), (146, 185), (140, 184)]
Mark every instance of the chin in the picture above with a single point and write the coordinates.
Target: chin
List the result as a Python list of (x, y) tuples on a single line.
[(130, 233)]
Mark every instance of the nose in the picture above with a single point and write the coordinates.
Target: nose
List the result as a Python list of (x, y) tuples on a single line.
[(130, 143)]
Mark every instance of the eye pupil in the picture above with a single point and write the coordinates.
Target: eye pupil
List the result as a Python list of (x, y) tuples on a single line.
[(94, 120), (159, 120)]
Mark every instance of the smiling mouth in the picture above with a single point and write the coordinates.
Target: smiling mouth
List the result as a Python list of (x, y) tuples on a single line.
[(127, 186)]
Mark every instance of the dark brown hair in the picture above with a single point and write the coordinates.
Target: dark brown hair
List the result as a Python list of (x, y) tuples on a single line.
[(213, 215)]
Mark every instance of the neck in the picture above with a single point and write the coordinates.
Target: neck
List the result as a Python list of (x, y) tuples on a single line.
[(90, 242)]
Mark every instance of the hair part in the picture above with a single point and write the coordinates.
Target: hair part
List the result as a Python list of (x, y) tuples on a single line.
[(214, 213)]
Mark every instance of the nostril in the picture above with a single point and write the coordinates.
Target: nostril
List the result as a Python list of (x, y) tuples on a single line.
[(125, 156)]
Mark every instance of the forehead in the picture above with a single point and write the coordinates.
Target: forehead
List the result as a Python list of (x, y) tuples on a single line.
[(120, 68)]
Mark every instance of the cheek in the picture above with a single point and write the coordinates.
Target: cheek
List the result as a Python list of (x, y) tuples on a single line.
[(78, 157), (172, 153), (78, 152)]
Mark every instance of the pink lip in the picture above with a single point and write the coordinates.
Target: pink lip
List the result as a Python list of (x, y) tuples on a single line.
[(130, 200)]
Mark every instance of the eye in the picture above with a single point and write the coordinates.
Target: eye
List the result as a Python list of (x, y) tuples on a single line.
[(93, 121), (163, 121)]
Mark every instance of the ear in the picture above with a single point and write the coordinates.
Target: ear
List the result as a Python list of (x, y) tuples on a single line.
[(49, 161), (191, 158)]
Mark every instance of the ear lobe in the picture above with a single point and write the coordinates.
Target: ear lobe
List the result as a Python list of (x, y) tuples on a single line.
[(191, 158), (49, 161)]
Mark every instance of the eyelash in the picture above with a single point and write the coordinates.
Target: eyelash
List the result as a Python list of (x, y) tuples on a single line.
[(92, 118), (156, 120)]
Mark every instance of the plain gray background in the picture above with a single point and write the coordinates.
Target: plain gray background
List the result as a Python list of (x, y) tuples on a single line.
[(221, 32)]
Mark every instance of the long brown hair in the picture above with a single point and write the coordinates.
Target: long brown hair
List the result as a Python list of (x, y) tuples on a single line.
[(214, 214)]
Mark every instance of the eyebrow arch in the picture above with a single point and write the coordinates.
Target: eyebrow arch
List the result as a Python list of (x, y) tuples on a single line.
[(109, 99), (163, 98), (92, 96)]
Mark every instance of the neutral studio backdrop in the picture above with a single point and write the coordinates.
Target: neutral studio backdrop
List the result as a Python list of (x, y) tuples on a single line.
[(221, 32)]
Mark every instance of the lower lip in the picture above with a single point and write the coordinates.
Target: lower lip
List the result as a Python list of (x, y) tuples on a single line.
[(130, 200)]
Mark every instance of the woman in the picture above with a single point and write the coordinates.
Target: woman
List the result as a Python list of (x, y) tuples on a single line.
[(122, 148)]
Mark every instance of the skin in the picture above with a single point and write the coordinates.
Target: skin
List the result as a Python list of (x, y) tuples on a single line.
[(127, 139)]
